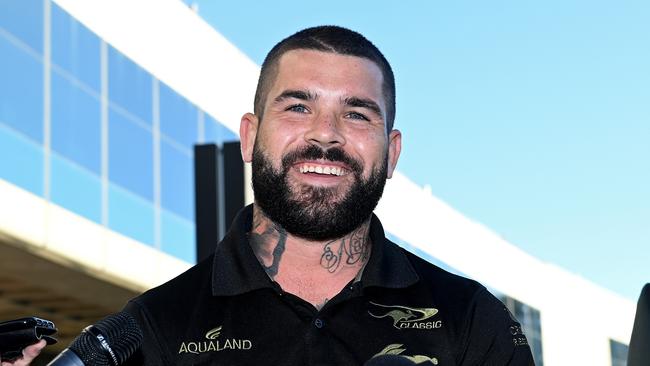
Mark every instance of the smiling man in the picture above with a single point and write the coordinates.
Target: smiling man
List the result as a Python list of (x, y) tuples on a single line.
[(306, 276)]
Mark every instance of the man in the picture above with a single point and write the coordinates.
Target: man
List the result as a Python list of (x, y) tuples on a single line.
[(305, 276)]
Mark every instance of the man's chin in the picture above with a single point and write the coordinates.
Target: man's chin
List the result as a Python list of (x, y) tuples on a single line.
[(341, 187), (315, 197)]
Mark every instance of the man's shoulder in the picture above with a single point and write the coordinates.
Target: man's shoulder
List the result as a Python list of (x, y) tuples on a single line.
[(487, 331), (186, 287), (451, 294), (455, 294), (163, 311)]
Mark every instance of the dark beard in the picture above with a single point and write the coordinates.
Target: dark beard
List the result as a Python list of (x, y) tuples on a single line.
[(316, 213)]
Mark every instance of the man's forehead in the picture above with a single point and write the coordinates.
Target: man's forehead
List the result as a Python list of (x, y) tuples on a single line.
[(302, 56), (309, 69)]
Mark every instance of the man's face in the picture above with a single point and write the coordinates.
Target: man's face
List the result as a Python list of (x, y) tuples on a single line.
[(322, 153)]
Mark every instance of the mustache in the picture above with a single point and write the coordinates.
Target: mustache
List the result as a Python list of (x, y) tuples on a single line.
[(313, 152)]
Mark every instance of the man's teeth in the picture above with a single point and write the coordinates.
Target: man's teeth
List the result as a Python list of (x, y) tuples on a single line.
[(320, 170)]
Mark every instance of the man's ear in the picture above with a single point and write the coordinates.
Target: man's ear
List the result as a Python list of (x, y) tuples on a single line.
[(394, 149), (247, 133)]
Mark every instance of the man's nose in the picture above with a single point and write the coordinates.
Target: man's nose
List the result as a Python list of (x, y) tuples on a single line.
[(325, 131)]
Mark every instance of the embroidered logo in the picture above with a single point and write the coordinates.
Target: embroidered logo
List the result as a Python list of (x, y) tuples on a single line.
[(213, 333), (212, 344), (396, 350), (518, 337), (406, 317)]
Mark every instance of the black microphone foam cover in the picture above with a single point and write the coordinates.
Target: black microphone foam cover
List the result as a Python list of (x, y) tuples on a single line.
[(109, 342)]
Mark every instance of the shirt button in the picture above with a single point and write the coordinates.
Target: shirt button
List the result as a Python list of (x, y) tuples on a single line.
[(318, 323)]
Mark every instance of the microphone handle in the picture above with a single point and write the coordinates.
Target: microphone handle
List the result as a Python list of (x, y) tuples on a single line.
[(66, 358)]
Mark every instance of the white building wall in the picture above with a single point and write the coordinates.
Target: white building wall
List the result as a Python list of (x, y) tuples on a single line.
[(64, 237)]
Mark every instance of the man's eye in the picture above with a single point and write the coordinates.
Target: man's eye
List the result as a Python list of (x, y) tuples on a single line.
[(355, 115), (299, 108)]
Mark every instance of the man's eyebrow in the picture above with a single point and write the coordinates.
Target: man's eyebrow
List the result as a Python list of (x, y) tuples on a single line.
[(296, 94), (363, 103)]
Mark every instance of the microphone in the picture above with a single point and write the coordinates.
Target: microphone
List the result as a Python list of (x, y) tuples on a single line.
[(389, 360), (108, 343)]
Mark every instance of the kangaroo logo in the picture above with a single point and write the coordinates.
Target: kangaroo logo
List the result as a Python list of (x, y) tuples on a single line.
[(397, 350), (403, 316)]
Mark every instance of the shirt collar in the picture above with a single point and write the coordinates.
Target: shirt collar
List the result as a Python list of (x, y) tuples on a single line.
[(236, 270), (388, 265)]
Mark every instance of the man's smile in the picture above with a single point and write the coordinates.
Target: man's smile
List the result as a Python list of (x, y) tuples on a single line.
[(322, 168)]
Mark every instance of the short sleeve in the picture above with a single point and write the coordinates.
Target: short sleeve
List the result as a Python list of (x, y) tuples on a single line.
[(492, 336), (149, 353)]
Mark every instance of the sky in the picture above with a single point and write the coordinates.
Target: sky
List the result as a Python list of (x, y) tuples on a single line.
[(532, 118)]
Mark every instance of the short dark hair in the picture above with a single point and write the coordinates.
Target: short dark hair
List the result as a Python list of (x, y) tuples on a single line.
[(332, 39)]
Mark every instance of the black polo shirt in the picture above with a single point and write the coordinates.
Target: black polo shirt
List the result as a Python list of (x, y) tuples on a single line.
[(227, 311)]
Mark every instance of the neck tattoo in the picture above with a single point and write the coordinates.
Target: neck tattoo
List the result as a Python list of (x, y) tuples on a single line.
[(268, 242), (352, 249)]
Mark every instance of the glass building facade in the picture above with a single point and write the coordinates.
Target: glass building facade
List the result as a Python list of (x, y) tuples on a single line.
[(531, 324), (86, 128), (619, 353)]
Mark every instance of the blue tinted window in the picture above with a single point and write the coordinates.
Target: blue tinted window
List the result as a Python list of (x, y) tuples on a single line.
[(178, 237), (21, 161), (130, 215), (129, 85), (217, 133), (75, 48), (76, 189), (619, 353), (76, 126), (21, 90), (177, 181), (178, 117), (529, 318), (130, 156), (24, 19)]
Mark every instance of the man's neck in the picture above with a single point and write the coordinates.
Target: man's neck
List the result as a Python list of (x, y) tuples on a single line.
[(312, 270)]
